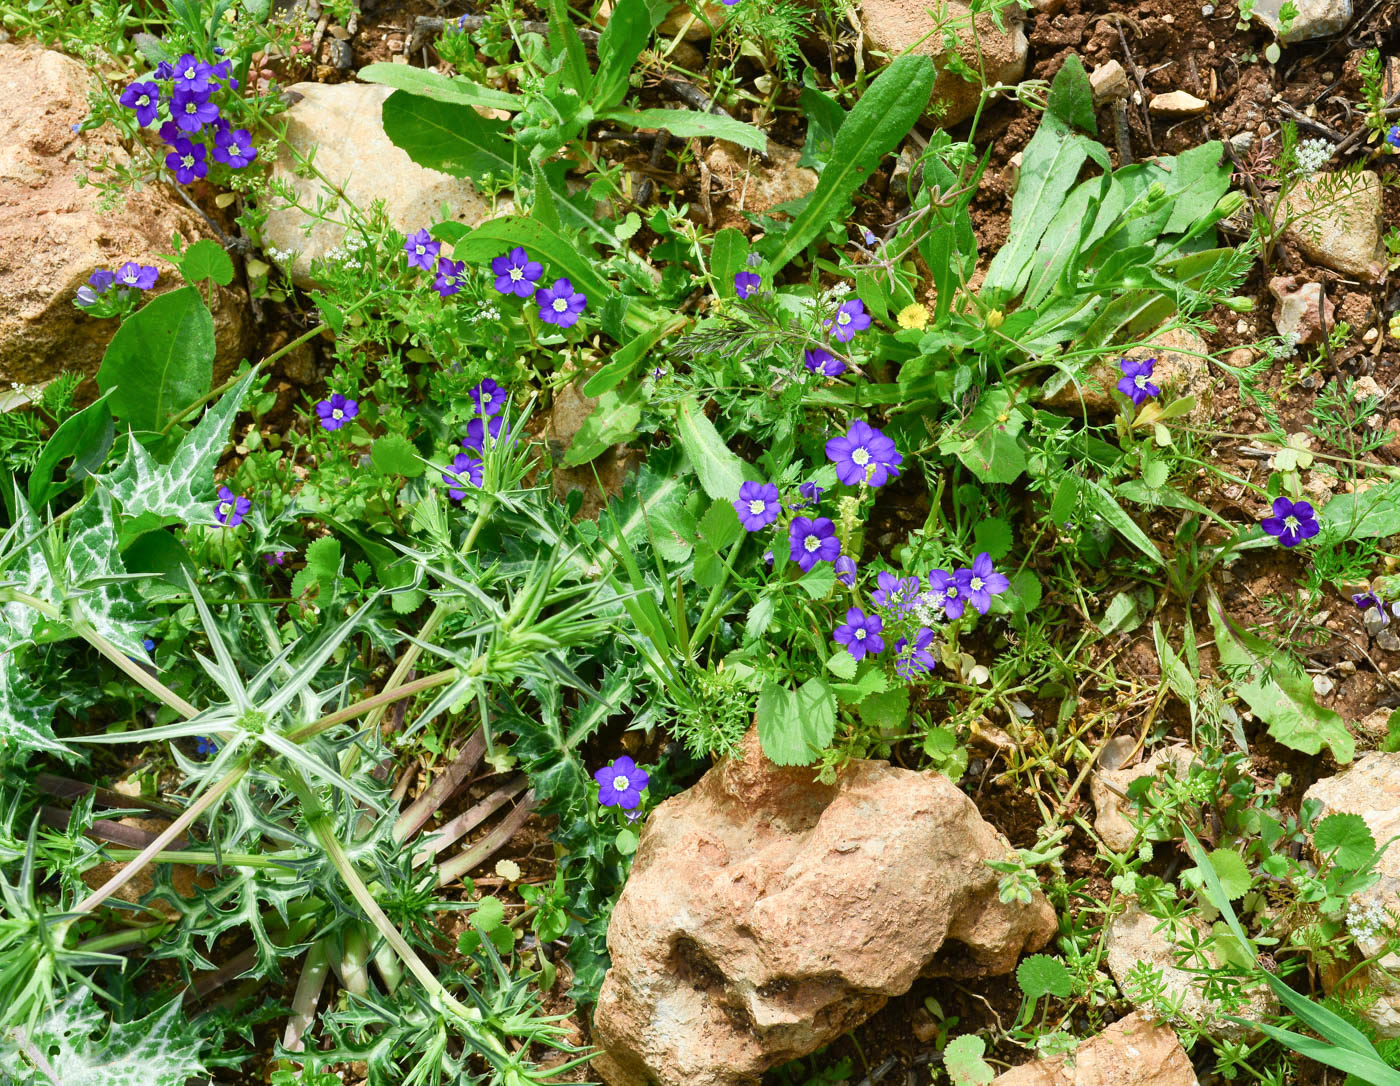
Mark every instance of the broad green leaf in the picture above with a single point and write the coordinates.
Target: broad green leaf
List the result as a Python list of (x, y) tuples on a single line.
[(986, 444), (1071, 97), (448, 136), (1198, 179), (1370, 514), (1041, 975), (727, 258), (426, 83), (629, 29), (93, 560), (993, 536), (394, 454), (627, 357), (206, 259), (1232, 872), (26, 715), (887, 711), (1101, 502), (795, 726), (721, 472), (322, 569), (1346, 839), (86, 437), (691, 124), (614, 419), (824, 115), (890, 107), (160, 360), (565, 43), (962, 1059)]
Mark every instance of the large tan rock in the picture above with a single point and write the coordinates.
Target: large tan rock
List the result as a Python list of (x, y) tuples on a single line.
[(1182, 370), (342, 124), (1107, 788), (1134, 1051), (754, 186), (54, 233), (893, 27), (1371, 789), (765, 915), (1336, 221)]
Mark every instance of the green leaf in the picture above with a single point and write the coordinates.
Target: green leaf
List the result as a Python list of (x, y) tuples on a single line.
[(1071, 96), (394, 454), (721, 472), (448, 136), (626, 358), (795, 726), (1278, 691), (962, 1059), (565, 43), (614, 419), (86, 437), (1371, 514), (322, 570), (842, 664), (883, 116), (160, 360), (426, 83), (1105, 505), (727, 256), (691, 124), (719, 527), (1041, 975), (986, 444), (1232, 872), (824, 116), (993, 536), (760, 617), (887, 711), (206, 259), (26, 715), (93, 560), (629, 29), (1346, 839)]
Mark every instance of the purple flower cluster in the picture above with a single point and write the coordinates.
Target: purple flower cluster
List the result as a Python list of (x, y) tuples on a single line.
[(129, 277), (467, 466), (195, 131), (516, 274), (954, 591)]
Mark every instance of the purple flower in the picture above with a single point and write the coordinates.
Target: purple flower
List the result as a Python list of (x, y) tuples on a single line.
[(768, 559), (864, 455), (913, 660), (812, 541), (860, 634), (164, 70), (85, 297), (449, 277), (463, 467), (1367, 600), (277, 558), (1292, 522), (191, 111), (187, 160), (846, 570), (946, 593), (811, 492), (337, 411), (102, 280), (895, 594), (850, 319), (757, 505), (516, 273), (1136, 382), (478, 429), (230, 510), (730, 3), (140, 276), (560, 304), (621, 784), (149, 644), (221, 70), (1393, 137), (234, 148), (422, 250), (144, 98), (170, 132), (820, 360), (204, 746), (745, 283), (489, 397), (980, 583), (192, 76)]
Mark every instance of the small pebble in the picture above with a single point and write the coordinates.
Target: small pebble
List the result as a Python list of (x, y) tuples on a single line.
[(1207, 10), (1388, 641), (1322, 685)]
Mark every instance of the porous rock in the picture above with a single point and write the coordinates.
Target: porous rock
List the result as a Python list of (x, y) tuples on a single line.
[(1302, 310), (340, 128), (1335, 220), (754, 186), (1134, 1051), (1315, 18), (766, 914), (1107, 787), (54, 233), (894, 27), (1371, 789), (1181, 370)]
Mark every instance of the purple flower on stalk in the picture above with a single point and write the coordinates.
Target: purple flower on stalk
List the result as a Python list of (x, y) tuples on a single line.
[(489, 397), (234, 148), (894, 593), (1292, 522), (187, 160), (621, 784), (337, 411), (560, 304), (913, 659), (102, 280), (846, 570), (144, 98), (463, 467), (864, 455), (85, 297), (516, 273), (757, 505), (230, 509), (812, 541), (191, 111), (205, 746), (449, 277), (1367, 600), (860, 633), (946, 593), (164, 70), (477, 432), (422, 250), (745, 283), (1136, 382), (1393, 137), (980, 583), (819, 360), (192, 76), (139, 276), (811, 493), (850, 319), (277, 558)]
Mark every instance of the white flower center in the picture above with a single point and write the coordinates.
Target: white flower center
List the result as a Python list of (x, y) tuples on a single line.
[(420, 249), (621, 784), (224, 508), (190, 73), (811, 543), (756, 507), (191, 107), (335, 414), (976, 584), (187, 161), (860, 635), (1290, 524), (843, 318), (144, 100), (1140, 380), (952, 592), (560, 305), (515, 274), (860, 457)]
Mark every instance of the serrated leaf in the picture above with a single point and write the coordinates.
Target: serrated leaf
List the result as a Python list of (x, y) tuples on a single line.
[(886, 711), (1346, 839), (818, 581), (394, 454), (26, 716), (1041, 975), (993, 536), (1232, 872), (962, 1059), (112, 607), (206, 259), (760, 617), (322, 566), (794, 726), (25, 566), (160, 360)]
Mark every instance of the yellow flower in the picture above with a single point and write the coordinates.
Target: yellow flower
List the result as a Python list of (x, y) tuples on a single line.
[(994, 318), (913, 316)]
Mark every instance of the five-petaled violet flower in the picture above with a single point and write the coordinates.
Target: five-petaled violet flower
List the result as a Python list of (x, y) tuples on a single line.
[(192, 75), (860, 633), (946, 593), (205, 746), (980, 583), (812, 541), (850, 319), (757, 505), (144, 98), (914, 659), (745, 283), (621, 784), (422, 250), (488, 396), (846, 570), (811, 493), (478, 429), (516, 273), (234, 148), (895, 594), (139, 276), (449, 277), (1292, 522), (102, 280), (1136, 382), (560, 304), (230, 509), (822, 361), (337, 411), (187, 160), (192, 111), (864, 455), (464, 469), (276, 558)]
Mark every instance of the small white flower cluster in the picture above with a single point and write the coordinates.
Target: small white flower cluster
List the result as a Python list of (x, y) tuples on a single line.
[(347, 253), (281, 256), (485, 313), (1312, 156), (1371, 924)]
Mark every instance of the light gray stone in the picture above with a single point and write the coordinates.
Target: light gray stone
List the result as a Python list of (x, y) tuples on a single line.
[(1316, 18), (1336, 221)]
